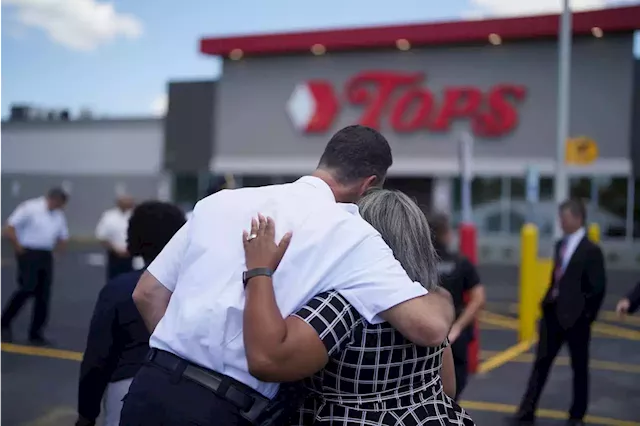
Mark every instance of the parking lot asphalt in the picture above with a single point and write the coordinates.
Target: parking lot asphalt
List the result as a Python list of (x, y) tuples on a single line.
[(39, 385)]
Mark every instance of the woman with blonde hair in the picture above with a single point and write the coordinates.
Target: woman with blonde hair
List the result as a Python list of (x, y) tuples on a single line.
[(358, 373)]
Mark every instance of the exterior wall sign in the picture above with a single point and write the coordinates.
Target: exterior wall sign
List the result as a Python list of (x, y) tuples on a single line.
[(404, 102), (581, 151)]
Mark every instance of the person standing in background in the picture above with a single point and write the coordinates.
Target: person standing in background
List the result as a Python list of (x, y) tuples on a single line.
[(36, 228), (112, 233), (118, 341), (458, 276), (571, 305)]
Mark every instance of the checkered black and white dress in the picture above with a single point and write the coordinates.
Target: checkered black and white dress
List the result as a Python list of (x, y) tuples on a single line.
[(374, 375)]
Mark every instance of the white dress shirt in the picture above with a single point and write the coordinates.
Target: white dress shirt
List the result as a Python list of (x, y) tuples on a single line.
[(112, 228), (332, 248), (36, 226), (572, 241)]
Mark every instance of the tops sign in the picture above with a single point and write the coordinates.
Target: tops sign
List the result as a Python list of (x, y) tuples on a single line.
[(403, 102)]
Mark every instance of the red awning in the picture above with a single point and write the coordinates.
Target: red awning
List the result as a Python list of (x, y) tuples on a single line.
[(613, 20)]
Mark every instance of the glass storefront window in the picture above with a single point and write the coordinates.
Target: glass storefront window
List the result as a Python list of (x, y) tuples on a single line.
[(580, 187), (185, 188), (486, 195), (611, 211), (418, 188), (543, 213), (255, 181), (486, 203), (289, 179)]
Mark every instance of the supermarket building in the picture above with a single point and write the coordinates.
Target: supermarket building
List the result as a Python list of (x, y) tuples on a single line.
[(281, 96)]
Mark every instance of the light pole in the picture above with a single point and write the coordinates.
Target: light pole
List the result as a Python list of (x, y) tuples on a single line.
[(564, 93), (465, 156)]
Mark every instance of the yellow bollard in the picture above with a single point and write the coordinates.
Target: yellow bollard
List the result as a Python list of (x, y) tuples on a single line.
[(594, 233), (529, 291)]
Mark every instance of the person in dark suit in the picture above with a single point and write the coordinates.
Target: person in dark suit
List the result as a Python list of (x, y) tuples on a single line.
[(569, 308), (118, 340), (630, 303)]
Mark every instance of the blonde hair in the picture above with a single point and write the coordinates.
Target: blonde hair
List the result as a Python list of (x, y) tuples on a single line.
[(405, 229)]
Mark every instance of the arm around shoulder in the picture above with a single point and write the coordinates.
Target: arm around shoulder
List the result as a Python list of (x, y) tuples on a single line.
[(375, 283), (425, 320)]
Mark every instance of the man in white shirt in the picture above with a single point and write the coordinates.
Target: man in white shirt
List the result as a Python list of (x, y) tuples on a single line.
[(192, 296), (112, 233), (36, 228)]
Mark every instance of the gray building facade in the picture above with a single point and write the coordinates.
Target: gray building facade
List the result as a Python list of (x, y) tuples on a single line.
[(282, 96), (258, 101), (94, 160)]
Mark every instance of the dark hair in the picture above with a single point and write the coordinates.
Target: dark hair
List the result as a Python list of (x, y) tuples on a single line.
[(440, 225), (357, 152), (58, 194), (151, 226), (576, 207)]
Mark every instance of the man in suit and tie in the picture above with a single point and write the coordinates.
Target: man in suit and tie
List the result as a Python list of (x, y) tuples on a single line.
[(569, 308)]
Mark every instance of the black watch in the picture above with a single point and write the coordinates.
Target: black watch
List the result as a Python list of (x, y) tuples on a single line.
[(256, 272)]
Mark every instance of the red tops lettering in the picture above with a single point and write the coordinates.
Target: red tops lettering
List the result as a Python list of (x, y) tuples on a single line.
[(404, 102)]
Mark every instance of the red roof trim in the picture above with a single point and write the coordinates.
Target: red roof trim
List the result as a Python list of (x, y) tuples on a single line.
[(623, 19)]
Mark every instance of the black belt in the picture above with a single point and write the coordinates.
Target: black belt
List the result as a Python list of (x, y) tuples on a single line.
[(250, 403)]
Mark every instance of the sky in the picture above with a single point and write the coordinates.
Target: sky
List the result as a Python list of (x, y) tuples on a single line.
[(115, 58)]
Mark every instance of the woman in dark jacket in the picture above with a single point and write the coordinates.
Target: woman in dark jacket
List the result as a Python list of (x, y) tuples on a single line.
[(118, 340)]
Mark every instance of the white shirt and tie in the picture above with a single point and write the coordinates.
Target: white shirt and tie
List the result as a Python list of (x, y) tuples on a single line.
[(37, 227), (332, 248), (571, 243)]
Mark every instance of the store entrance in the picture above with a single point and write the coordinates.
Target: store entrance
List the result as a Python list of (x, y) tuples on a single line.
[(418, 188)]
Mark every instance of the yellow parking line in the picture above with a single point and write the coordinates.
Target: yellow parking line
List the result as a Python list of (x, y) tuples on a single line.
[(609, 316), (613, 317), (505, 356), (45, 352), (502, 321), (492, 326), (599, 328), (542, 413), (615, 331), (528, 358), (55, 416)]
